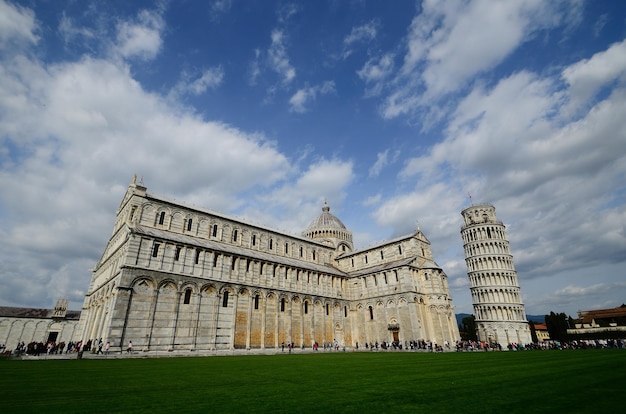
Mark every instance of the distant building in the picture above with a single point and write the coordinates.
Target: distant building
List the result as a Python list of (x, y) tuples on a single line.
[(600, 324), (176, 277), (498, 308), (541, 330), (38, 325)]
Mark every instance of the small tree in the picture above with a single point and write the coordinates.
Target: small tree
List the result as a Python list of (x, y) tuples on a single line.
[(533, 332), (557, 325), (468, 328)]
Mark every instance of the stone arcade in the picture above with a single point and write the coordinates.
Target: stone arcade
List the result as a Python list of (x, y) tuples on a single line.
[(174, 277)]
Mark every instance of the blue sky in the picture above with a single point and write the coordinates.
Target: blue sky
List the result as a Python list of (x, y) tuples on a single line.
[(264, 109)]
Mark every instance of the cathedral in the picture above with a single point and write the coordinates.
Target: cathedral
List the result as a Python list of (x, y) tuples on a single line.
[(174, 277)]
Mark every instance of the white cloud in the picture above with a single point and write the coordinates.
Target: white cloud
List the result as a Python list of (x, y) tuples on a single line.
[(81, 129), (286, 12), (17, 24), (448, 44), (515, 145), (363, 33), (382, 159), (209, 79), (254, 68), (375, 72), (360, 34), (373, 200), (69, 31), (278, 59), (301, 199), (585, 78), (299, 100), (142, 38), (571, 290)]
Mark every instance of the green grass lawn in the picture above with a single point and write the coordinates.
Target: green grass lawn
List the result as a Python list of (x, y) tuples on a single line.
[(582, 381)]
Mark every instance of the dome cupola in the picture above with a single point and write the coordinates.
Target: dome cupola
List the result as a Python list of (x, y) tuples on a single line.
[(328, 229)]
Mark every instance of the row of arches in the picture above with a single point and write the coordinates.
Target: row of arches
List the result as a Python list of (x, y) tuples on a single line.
[(498, 247), (489, 263), (170, 313), (499, 313), (504, 333), (335, 234), (480, 296), (190, 260), (484, 279), (483, 232), (16, 330)]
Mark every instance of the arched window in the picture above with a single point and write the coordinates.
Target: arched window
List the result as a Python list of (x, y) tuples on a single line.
[(345, 311), (162, 217), (214, 231), (282, 305), (399, 249), (235, 235), (327, 308), (177, 253), (256, 302), (306, 307), (382, 256), (197, 256), (371, 313), (271, 244), (187, 297), (225, 300), (189, 221), (301, 251), (286, 248), (254, 239)]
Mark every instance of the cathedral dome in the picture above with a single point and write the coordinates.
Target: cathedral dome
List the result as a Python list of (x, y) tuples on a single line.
[(325, 221), (327, 228)]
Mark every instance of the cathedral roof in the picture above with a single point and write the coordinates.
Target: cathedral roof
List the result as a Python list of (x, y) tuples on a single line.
[(326, 221), (239, 251), (34, 313)]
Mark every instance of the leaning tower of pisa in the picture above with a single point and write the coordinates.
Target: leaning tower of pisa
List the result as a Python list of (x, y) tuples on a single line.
[(498, 308)]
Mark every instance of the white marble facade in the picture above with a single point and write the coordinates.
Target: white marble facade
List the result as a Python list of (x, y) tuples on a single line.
[(26, 325), (175, 277), (498, 307)]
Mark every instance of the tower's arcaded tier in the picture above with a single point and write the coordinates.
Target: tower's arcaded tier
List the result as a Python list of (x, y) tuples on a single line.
[(498, 308)]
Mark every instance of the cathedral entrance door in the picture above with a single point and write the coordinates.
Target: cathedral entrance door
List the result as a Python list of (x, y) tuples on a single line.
[(395, 337)]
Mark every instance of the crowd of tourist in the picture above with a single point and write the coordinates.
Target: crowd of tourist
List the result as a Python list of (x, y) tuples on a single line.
[(99, 347), (52, 348)]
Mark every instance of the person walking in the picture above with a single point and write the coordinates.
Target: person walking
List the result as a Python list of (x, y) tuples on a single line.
[(129, 349)]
